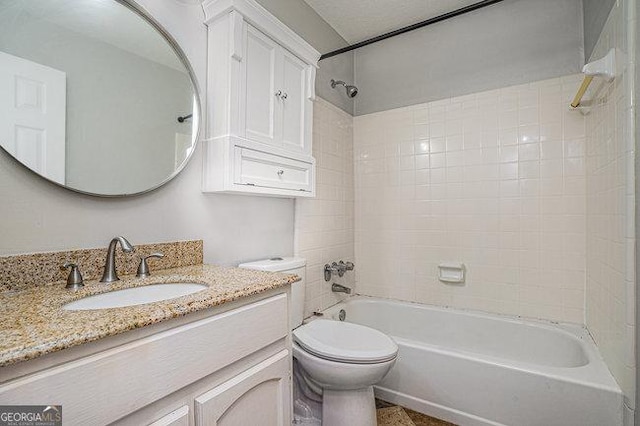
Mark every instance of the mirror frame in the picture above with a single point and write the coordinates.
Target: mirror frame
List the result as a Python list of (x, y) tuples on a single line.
[(146, 16)]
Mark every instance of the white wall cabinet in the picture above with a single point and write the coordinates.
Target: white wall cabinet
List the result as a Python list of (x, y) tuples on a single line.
[(260, 92), (204, 372)]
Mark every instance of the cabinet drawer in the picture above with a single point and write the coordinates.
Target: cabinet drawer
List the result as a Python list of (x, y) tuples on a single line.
[(271, 171)]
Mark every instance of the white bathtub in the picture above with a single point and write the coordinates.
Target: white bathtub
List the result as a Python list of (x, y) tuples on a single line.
[(481, 369)]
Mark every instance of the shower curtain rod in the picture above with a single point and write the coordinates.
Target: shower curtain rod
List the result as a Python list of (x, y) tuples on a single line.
[(412, 27)]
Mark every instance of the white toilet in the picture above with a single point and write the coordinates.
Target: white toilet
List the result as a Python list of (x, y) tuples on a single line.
[(340, 361)]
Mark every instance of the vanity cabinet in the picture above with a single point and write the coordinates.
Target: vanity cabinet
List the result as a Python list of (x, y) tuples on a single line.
[(260, 92), (228, 368)]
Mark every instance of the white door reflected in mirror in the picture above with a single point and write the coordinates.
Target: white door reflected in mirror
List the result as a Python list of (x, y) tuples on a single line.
[(33, 110)]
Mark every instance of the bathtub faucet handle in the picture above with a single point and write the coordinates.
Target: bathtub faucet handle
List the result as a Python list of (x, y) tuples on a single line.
[(337, 268), (331, 269), (345, 266)]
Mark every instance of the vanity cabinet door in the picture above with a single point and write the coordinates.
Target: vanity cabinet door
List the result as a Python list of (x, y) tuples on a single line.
[(259, 396), (262, 81)]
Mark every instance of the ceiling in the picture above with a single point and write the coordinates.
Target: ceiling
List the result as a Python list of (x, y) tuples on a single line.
[(357, 20)]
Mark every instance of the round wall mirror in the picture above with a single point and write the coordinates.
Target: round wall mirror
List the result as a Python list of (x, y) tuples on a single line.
[(94, 95)]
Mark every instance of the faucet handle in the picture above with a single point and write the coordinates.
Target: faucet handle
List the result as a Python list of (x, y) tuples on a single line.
[(343, 267), (143, 267), (74, 280)]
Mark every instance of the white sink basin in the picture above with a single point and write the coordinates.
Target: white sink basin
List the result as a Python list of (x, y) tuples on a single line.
[(134, 296)]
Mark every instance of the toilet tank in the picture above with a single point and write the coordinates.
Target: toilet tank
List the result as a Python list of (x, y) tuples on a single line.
[(286, 265)]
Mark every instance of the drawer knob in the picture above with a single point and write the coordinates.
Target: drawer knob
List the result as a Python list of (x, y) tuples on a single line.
[(278, 93), (280, 172), (284, 95)]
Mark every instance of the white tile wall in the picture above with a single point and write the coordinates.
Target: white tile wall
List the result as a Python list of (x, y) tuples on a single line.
[(324, 226), (495, 180), (610, 284)]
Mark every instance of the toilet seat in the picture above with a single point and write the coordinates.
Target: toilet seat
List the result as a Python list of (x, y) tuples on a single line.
[(345, 342)]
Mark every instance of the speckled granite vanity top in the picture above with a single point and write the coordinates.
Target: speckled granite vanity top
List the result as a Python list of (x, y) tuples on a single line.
[(33, 323)]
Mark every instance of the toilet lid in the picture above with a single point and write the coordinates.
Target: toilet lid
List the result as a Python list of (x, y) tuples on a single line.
[(345, 342)]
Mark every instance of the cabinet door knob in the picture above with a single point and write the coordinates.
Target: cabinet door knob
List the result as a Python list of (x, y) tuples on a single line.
[(280, 172), (279, 93), (284, 95)]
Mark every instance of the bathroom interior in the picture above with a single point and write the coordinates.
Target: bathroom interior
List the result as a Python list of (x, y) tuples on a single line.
[(318, 212)]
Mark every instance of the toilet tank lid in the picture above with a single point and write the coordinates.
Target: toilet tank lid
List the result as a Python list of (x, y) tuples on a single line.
[(275, 264)]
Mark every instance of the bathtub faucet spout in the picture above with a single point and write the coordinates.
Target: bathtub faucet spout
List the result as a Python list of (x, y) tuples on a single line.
[(337, 288)]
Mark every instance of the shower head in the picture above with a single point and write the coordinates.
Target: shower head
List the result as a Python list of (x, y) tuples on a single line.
[(352, 91)]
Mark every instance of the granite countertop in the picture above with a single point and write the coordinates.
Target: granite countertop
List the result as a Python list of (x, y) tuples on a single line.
[(33, 323)]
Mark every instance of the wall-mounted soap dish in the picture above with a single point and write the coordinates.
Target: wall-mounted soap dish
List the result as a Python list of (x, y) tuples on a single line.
[(452, 273)]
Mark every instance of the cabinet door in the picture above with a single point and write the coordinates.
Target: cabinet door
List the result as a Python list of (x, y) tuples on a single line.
[(261, 105), (259, 396), (294, 102)]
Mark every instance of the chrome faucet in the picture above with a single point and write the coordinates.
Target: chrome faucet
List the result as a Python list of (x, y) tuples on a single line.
[(337, 268), (337, 288), (110, 275)]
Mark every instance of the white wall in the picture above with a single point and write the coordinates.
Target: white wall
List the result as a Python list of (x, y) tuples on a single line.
[(595, 15), (512, 42), (610, 285), (38, 216), (494, 180), (324, 226)]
